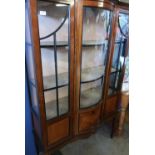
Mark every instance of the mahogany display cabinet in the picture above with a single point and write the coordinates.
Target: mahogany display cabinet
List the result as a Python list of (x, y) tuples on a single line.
[(75, 53)]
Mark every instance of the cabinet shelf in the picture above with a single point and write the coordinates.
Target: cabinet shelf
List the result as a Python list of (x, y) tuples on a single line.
[(50, 81), (93, 43), (65, 43), (93, 73), (88, 98), (51, 107), (51, 43), (88, 75)]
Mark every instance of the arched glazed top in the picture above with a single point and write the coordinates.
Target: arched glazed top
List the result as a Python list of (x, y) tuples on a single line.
[(51, 17), (123, 23)]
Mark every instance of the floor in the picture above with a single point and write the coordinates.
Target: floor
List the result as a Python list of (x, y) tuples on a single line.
[(100, 144)]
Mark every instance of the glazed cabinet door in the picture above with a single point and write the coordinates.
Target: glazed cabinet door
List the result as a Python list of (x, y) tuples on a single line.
[(120, 52), (53, 36), (94, 51), (31, 75), (53, 20)]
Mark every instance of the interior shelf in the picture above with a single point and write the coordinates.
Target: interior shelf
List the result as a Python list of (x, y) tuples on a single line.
[(50, 82), (93, 73), (51, 107), (88, 98), (88, 75), (51, 43), (65, 43), (93, 42)]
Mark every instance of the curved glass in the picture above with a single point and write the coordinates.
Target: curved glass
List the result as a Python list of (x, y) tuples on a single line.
[(30, 65), (123, 22), (55, 49), (96, 31), (119, 52)]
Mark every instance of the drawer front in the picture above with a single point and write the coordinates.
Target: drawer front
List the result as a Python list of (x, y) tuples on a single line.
[(88, 120), (58, 131)]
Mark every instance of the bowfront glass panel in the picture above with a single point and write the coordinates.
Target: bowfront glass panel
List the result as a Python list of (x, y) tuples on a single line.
[(96, 31), (55, 50), (30, 67), (119, 52)]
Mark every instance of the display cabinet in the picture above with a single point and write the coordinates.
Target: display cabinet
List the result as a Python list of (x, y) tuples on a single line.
[(93, 33), (119, 54), (75, 53)]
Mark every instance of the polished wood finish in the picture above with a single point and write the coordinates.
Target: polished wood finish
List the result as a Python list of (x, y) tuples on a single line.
[(38, 68), (77, 123), (122, 115), (78, 38), (109, 63), (107, 5), (88, 120), (58, 131), (124, 102), (110, 107)]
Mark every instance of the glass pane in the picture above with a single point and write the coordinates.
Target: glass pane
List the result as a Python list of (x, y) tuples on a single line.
[(124, 24), (63, 64), (114, 77), (54, 45), (50, 17), (118, 56), (96, 30), (63, 100), (91, 93), (119, 52), (27, 26), (34, 99), (30, 64), (50, 104), (48, 66)]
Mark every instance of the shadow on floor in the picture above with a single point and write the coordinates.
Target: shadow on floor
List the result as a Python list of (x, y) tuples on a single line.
[(100, 143)]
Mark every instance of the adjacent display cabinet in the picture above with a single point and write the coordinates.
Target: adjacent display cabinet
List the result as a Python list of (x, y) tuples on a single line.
[(75, 53)]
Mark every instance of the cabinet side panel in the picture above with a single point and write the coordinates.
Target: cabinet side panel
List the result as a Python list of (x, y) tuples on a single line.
[(110, 107)]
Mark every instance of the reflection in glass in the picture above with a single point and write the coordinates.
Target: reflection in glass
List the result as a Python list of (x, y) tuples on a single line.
[(30, 64), (96, 31), (119, 52), (51, 20), (54, 44), (50, 104), (91, 93), (30, 67)]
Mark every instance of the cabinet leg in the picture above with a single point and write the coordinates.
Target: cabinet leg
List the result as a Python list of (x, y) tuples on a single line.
[(113, 127)]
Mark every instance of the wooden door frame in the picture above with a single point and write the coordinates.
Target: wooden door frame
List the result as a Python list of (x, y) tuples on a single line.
[(118, 9), (79, 4), (38, 69)]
